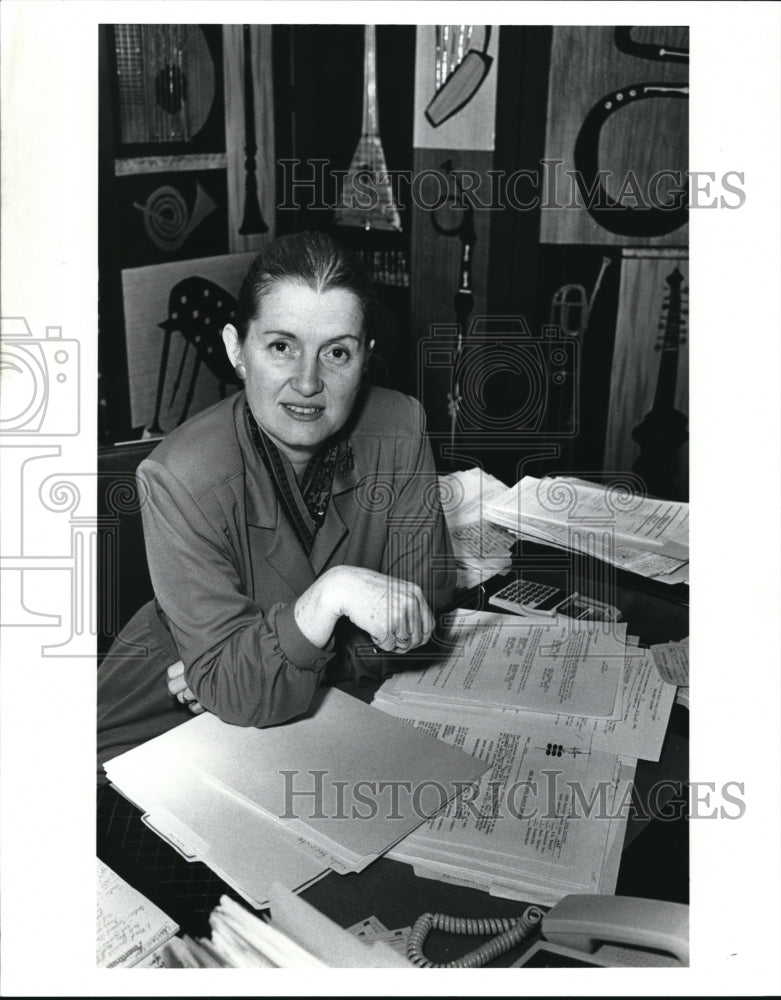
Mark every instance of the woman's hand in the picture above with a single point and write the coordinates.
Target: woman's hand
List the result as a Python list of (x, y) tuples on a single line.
[(177, 687), (394, 612)]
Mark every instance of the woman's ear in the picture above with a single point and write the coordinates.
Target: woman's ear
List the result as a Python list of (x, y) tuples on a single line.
[(367, 357), (230, 337)]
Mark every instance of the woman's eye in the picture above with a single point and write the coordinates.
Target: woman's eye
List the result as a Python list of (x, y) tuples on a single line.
[(279, 347), (339, 354)]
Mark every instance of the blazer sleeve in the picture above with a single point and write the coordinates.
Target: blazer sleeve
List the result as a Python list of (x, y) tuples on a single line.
[(417, 548), (418, 545), (248, 667)]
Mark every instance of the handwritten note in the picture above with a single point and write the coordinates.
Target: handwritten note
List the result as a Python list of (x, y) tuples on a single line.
[(129, 926)]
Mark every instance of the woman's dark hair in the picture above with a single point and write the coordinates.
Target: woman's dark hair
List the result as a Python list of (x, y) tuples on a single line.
[(312, 259)]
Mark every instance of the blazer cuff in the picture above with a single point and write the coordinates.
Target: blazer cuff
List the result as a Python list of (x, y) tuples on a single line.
[(294, 644)]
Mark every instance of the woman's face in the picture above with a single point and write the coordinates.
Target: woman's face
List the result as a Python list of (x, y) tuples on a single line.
[(304, 357)]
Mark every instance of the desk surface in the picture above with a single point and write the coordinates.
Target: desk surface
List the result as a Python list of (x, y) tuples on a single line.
[(654, 862)]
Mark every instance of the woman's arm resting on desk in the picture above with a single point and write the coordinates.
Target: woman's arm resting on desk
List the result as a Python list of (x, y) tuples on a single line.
[(393, 612), (417, 550), (247, 665)]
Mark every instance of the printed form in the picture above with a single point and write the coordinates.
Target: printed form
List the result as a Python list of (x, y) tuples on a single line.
[(646, 698), (543, 819), (502, 660)]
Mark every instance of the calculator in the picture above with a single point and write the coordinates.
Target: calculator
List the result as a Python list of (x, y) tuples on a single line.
[(528, 597), (525, 597)]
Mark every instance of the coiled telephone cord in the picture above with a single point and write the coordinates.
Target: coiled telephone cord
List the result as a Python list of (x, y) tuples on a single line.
[(510, 931)]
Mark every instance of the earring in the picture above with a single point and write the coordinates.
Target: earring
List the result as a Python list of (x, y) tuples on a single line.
[(241, 371)]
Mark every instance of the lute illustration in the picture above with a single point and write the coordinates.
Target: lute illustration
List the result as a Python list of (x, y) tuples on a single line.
[(664, 429), (166, 81)]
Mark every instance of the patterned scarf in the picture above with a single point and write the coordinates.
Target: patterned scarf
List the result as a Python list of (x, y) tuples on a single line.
[(306, 504)]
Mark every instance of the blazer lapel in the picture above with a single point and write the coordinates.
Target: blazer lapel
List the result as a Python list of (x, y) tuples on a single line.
[(286, 556), (270, 536), (334, 529)]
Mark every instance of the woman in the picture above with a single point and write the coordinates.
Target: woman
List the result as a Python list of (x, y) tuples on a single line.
[(292, 530)]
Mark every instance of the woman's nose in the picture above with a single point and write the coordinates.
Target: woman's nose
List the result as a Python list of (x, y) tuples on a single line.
[(307, 380)]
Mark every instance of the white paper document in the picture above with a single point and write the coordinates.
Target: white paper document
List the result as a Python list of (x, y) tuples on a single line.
[(481, 549), (639, 733), (464, 495), (672, 661), (662, 524), (335, 946), (203, 822), (542, 821), (502, 660), (639, 534), (481, 540), (129, 926), (294, 800)]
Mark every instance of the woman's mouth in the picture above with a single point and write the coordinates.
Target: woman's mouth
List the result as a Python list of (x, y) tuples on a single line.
[(303, 412)]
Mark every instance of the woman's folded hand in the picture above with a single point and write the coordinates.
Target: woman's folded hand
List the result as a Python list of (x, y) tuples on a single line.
[(177, 688), (393, 612)]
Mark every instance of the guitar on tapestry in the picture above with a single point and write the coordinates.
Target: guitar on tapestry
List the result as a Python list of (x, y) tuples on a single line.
[(664, 430)]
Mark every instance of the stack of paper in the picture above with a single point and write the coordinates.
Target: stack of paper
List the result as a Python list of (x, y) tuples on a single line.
[(332, 790), (296, 936), (498, 661), (547, 820), (549, 817), (645, 536), (481, 549), (645, 697)]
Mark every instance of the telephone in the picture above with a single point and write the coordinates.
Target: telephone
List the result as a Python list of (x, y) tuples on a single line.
[(580, 930), (615, 931)]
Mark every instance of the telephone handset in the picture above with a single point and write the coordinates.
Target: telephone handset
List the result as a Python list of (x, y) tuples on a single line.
[(611, 931)]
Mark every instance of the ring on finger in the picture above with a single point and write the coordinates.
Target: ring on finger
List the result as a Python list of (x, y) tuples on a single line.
[(403, 640)]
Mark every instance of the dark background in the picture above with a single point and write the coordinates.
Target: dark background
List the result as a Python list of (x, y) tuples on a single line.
[(318, 92)]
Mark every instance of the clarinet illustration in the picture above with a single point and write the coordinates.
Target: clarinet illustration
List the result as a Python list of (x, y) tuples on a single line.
[(253, 221)]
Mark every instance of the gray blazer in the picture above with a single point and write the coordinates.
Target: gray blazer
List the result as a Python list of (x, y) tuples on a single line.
[(227, 568)]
